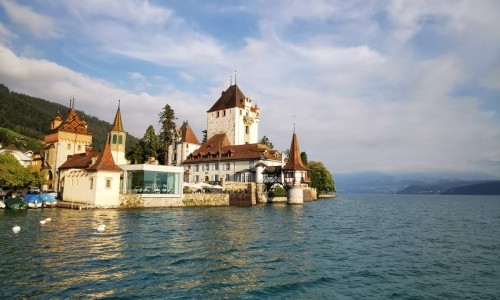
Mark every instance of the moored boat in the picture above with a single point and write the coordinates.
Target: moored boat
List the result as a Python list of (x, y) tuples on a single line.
[(2, 205), (33, 200), (15, 203), (48, 200)]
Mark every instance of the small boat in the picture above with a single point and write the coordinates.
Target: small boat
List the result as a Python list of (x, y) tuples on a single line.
[(15, 203), (48, 200), (33, 200), (2, 205)]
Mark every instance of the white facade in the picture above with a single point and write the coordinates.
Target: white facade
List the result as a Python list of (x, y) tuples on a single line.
[(179, 152), (235, 170), (241, 125), (98, 189)]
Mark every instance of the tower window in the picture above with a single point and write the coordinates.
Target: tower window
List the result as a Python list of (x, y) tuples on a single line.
[(68, 147), (247, 129), (224, 113), (108, 183), (120, 139), (217, 114), (114, 139)]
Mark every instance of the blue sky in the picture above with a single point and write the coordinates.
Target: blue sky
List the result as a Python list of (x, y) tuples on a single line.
[(393, 86)]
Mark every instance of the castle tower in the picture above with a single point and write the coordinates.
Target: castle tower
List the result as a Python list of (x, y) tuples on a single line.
[(65, 137), (117, 138), (295, 174), (234, 115), (185, 143)]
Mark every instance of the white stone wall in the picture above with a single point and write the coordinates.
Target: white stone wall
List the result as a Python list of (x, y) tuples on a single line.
[(77, 187), (234, 167), (217, 123)]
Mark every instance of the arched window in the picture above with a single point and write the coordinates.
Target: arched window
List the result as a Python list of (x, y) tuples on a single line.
[(120, 139), (114, 139)]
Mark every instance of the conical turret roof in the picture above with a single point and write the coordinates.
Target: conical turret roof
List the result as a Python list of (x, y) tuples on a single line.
[(295, 161), (117, 123)]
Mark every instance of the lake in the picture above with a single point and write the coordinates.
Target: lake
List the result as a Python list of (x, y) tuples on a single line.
[(350, 247)]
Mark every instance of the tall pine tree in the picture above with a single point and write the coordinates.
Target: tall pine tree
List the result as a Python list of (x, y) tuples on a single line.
[(167, 132)]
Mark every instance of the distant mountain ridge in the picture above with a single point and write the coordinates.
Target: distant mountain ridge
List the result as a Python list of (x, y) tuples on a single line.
[(455, 188), (407, 183), (31, 117)]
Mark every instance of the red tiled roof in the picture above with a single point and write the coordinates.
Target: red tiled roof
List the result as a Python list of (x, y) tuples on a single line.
[(79, 161), (295, 161), (231, 98), (187, 134), (73, 123), (220, 143), (105, 161)]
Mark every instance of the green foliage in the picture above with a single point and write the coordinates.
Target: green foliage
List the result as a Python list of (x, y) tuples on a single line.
[(31, 117), (204, 132), (141, 150), (277, 191), (12, 174), (9, 137), (265, 141), (303, 156), (321, 178), (168, 131)]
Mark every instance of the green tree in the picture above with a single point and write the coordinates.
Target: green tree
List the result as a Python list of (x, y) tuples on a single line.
[(204, 132), (12, 174), (265, 141), (39, 177), (135, 153), (150, 143), (167, 131), (303, 156), (321, 178)]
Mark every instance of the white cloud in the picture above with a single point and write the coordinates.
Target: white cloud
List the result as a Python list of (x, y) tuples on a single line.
[(368, 90), (39, 25), (45, 79)]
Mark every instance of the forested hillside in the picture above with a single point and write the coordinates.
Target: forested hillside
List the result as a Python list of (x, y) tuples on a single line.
[(31, 116)]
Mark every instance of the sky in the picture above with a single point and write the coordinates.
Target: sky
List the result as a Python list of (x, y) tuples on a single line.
[(387, 86)]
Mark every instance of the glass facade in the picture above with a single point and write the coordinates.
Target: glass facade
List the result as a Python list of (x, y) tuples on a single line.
[(152, 182)]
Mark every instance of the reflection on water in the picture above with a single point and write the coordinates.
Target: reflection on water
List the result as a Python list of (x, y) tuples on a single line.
[(350, 247)]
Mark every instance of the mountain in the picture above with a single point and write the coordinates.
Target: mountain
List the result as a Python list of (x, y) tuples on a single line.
[(31, 117), (407, 183), (438, 187), (486, 188)]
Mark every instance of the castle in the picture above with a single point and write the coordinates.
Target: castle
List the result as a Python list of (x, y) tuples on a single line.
[(231, 153)]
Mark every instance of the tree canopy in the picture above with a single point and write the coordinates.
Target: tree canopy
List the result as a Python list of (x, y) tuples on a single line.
[(265, 141), (321, 178), (145, 148), (168, 131), (13, 175)]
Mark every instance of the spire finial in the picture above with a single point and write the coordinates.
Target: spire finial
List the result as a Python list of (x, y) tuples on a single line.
[(119, 103), (230, 80), (293, 124), (234, 77)]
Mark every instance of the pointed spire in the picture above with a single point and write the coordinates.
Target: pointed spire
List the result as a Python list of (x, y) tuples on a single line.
[(234, 77), (295, 161), (117, 123), (105, 161)]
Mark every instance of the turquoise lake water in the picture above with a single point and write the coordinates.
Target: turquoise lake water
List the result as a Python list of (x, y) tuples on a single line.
[(351, 247)]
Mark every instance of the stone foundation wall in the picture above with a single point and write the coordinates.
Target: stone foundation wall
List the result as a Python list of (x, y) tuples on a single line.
[(138, 201), (310, 194), (206, 200)]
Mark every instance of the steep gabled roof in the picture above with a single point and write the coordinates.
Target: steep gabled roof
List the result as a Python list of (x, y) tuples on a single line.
[(72, 123), (295, 161), (117, 123), (231, 98), (105, 161), (187, 134)]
